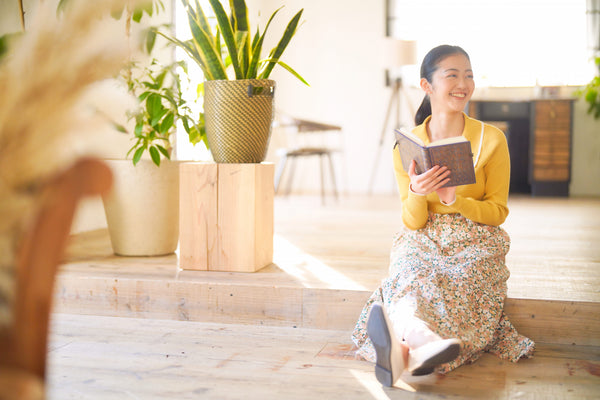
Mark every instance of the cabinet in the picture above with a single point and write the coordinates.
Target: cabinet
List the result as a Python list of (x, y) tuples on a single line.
[(539, 139)]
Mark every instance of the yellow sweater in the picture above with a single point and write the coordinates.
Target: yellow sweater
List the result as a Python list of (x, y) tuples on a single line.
[(484, 201)]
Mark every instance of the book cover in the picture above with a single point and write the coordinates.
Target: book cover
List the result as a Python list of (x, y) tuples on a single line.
[(454, 153)]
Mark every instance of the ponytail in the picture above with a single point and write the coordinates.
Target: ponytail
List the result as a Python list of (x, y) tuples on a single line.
[(424, 111)]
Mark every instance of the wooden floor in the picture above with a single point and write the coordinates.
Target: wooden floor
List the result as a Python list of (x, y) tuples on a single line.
[(128, 358), (283, 332)]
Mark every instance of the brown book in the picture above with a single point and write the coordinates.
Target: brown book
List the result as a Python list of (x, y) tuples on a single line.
[(454, 153)]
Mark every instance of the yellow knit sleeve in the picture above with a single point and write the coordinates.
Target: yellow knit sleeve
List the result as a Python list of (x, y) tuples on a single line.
[(414, 206)]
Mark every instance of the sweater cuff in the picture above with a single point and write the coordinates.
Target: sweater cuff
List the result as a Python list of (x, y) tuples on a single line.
[(413, 192), (448, 204)]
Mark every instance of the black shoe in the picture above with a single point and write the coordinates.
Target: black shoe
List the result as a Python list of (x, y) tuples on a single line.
[(390, 358)]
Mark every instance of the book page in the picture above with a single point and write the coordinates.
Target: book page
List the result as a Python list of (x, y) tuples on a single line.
[(453, 139), (411, 136)]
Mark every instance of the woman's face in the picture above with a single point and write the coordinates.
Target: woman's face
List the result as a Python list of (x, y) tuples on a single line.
[(452, 84)]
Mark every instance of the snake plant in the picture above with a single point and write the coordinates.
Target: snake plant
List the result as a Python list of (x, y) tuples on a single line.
[(231, 44)]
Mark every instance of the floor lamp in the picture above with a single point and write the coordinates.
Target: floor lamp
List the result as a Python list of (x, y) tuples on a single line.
[(399, 53)]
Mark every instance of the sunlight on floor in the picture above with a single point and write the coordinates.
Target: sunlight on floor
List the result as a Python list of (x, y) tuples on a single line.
[(302, 266), (369, 382)]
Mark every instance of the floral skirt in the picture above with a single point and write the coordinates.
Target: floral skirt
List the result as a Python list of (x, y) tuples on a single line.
[(453, 271)]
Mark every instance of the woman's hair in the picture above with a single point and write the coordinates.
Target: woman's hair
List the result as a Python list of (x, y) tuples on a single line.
[(429, 65)]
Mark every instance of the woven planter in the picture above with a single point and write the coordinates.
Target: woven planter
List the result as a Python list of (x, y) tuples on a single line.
[(238, 115)]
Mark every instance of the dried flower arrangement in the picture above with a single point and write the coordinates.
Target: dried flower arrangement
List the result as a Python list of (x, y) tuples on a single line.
[(50, 108)]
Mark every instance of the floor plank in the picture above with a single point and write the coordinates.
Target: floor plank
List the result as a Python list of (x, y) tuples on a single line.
[(132, 358)]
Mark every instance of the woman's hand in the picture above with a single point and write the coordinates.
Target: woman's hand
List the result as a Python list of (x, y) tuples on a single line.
[(429, 181), (447, 195)]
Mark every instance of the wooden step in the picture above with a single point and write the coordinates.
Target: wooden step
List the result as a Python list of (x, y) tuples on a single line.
[(327, 261), (154, 288)]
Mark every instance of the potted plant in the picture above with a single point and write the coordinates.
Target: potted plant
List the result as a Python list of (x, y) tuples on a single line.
[(142, 209), (238, 112)]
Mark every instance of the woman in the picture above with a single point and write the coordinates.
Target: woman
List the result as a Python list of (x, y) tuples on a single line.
[(442, 303)]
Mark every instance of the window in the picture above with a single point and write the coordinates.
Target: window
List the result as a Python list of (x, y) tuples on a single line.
[(510, 42)]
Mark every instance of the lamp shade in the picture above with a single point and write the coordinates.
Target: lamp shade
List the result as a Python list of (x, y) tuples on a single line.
[(400, 52)]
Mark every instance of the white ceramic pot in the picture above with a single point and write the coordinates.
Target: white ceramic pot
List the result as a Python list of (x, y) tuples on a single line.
[(142, 208)]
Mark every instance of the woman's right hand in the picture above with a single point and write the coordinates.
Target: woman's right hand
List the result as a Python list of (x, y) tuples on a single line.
[(429, 181)]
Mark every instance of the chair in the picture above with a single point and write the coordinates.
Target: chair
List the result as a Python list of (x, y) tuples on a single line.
[(23, 346), (301, 127)]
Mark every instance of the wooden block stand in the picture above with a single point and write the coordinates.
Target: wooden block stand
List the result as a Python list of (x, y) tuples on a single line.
[(226, 216)]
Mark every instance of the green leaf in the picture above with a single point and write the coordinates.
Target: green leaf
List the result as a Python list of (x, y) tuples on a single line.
[(137, 15), (154, 104), (241, 40), (290, 31), (137, 156), (257, 48), (590, 96), (193, 135), (119, 127), (116, 12), (190, 48), (139, 127), (164, 151), (160, 79), (62, 6), (167, 123), (204, 42), (242, 24), (143, 96), (291, 70), (5, 41), (148, 6), (155, 119), (228, 35), (154, 155), (200, 16), (150, 40)]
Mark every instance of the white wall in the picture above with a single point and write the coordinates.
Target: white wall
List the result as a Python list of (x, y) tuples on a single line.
[(339, 51), (585, 165)]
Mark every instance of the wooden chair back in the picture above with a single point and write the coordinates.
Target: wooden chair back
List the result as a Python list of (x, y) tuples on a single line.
[(23, 348)]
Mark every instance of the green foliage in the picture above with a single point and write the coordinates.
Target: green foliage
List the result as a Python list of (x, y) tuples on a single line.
[(231, 43), (5, 41), (150, 7), (158, 90), (591, 94)]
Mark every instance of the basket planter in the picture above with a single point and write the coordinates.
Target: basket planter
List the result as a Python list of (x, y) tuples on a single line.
[(142, 208), (238, 115)]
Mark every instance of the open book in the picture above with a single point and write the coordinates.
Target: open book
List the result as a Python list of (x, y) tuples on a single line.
[(454, 153)]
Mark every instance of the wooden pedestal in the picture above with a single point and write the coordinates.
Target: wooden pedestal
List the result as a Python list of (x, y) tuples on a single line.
[(226, 216)]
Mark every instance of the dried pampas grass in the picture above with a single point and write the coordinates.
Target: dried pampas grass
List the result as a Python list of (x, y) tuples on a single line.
[(46, 81)]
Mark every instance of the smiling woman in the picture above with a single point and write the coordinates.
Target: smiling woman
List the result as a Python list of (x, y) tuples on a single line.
[(513, 42)]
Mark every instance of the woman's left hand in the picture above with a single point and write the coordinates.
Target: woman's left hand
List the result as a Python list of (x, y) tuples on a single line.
[(447, 194)]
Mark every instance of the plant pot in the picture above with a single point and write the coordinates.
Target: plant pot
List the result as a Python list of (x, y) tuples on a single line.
[(238, 115), (142, 208)]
